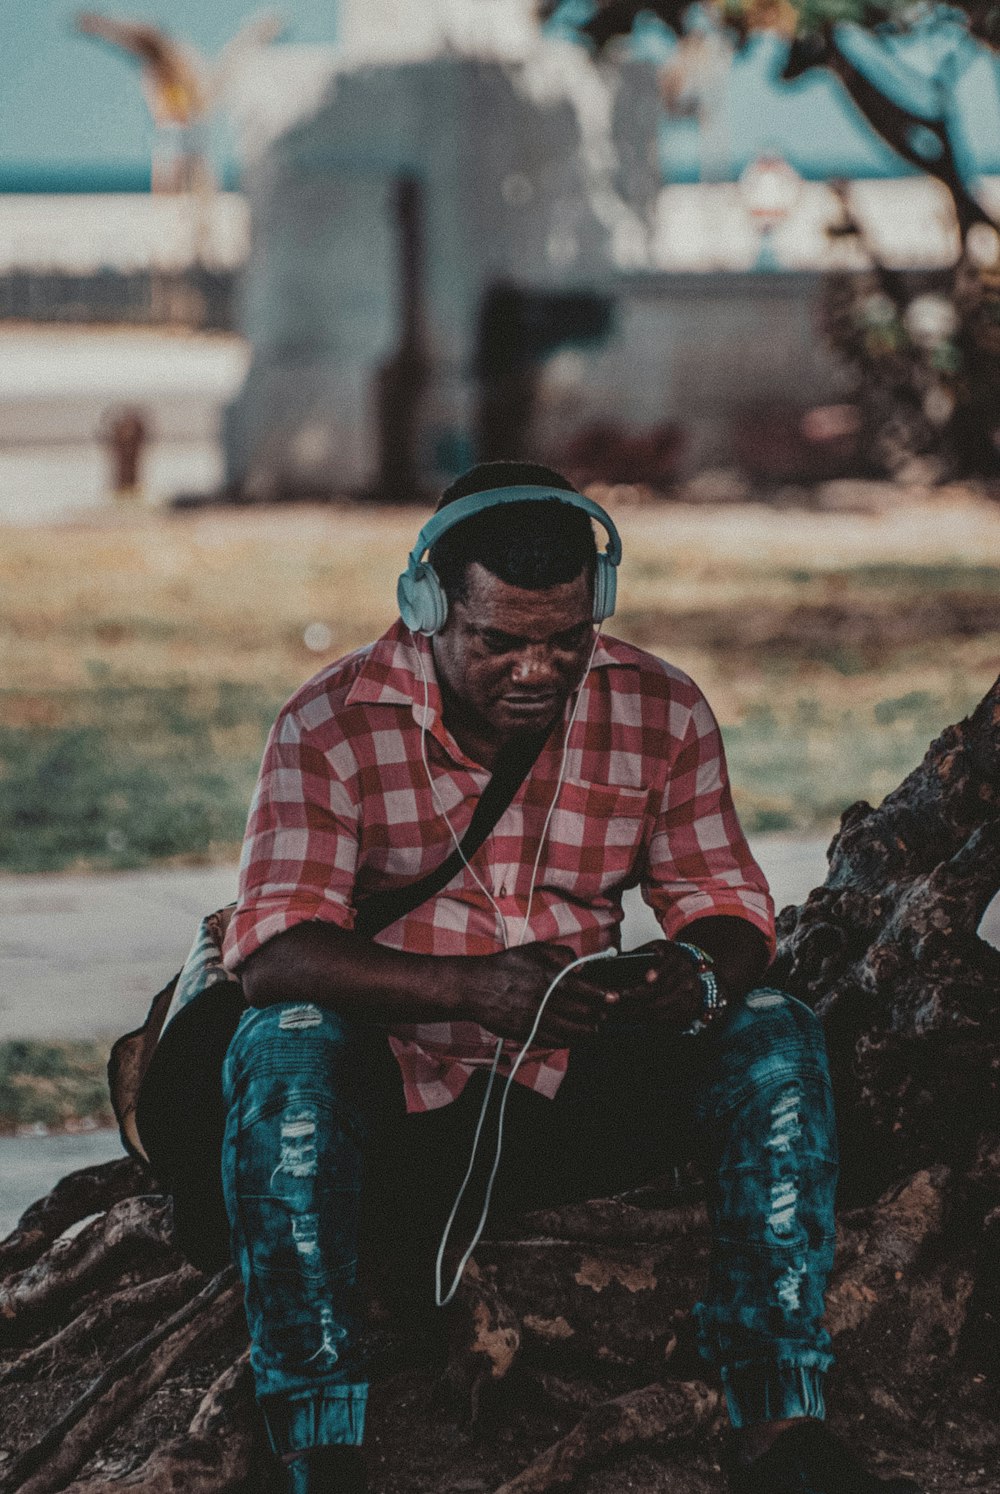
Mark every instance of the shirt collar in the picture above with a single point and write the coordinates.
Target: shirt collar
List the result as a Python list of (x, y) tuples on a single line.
[(391, 673)]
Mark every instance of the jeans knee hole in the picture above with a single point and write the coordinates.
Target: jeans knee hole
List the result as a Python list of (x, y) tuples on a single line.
[(295, 1018)]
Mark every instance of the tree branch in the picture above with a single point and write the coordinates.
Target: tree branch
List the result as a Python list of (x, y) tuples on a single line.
[(892, 122)]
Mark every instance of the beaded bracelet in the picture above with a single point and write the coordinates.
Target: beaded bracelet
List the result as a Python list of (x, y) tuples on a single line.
[(712, 1000)]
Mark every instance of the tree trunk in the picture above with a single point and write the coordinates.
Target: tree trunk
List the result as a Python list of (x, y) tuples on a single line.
[(572, 1351)]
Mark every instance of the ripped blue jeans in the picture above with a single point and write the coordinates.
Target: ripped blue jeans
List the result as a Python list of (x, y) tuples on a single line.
[(316, 1115)]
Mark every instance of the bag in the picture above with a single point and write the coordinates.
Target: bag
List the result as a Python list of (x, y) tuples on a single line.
[(179, 1114)]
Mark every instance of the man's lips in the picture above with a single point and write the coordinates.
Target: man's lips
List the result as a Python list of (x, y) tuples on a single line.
[(519, 702)]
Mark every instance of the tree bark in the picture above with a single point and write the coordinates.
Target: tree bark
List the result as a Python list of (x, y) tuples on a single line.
[(888, 952)]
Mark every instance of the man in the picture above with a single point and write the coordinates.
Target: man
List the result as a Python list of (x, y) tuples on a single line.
[(358, 1072)]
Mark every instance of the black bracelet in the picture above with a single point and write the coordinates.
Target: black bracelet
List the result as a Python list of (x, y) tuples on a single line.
[(713, 1002)]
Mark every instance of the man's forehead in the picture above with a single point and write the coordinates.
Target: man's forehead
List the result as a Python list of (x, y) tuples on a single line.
[(493, 603)]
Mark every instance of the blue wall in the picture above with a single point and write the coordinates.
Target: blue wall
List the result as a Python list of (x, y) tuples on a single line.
[(72, 116)]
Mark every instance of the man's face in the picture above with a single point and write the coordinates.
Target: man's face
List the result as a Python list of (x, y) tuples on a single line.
[(508, 659)]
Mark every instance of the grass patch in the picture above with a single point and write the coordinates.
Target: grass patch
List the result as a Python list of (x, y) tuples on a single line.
[(145, 656), (797, 769), (947, 577), (127, 775), (123, 776), (50, 1084)]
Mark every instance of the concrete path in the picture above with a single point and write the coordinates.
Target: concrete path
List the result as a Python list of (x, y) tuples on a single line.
[(82, 956), (31, 1165)]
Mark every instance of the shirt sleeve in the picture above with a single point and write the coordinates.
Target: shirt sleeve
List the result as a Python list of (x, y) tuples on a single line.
[(699, 864), (300, 851)]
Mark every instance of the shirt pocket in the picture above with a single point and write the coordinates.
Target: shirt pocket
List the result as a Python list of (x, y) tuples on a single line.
[(596, 839)]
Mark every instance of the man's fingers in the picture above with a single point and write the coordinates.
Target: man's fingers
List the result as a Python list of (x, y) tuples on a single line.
[(559, 1032), (580, 983), (570, 1015), (589, 981), (574, 1010), (558, 956), (587, 1004), (589, 992)]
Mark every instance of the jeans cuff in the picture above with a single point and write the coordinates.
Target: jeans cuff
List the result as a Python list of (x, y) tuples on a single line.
[(776, 1391), (316, 1418)]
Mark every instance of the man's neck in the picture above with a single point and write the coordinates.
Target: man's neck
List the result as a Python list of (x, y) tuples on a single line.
[(474, 737)]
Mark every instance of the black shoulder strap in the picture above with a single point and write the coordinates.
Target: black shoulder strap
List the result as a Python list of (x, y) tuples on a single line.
[(513, 764)]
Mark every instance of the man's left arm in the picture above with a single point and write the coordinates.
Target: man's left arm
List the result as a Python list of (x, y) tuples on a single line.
[(703, 882)]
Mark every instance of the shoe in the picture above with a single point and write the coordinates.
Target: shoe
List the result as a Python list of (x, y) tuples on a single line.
[(808, 1459), (337, 1469)]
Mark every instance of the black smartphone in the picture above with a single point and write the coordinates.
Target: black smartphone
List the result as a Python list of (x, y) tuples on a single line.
[(625, 970)]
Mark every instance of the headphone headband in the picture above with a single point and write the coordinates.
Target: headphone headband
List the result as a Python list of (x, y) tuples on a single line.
[(476, 503), (423, 605)]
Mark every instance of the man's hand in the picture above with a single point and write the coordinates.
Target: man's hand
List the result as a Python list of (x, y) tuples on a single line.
[(503, 992), (670, 994)]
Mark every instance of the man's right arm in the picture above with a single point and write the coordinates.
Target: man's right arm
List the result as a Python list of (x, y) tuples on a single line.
[(333, 967)]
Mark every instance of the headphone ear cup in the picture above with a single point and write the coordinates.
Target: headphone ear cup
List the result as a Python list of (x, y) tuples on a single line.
[(422, 603), (437, 602), (605, 588)]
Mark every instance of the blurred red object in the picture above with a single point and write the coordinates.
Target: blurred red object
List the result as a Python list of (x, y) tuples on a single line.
[(125, 432), (604, 451), (779, 443)]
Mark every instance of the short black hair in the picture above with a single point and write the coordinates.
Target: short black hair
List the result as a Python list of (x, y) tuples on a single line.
[(534, 545)]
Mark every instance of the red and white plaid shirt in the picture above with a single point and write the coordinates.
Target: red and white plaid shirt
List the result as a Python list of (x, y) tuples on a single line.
[(343, 809)]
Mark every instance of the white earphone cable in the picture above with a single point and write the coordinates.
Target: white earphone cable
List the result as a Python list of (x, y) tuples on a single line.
[(444, 813), (559, 783), (442, 1301)]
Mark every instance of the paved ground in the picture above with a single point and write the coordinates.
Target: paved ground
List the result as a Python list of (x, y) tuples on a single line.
[(31, 1165), (82, 956)]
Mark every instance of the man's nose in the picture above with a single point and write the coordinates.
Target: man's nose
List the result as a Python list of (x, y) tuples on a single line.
[(534, 667)]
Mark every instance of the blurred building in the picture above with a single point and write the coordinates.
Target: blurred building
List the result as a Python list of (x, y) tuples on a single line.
[(419, 247)]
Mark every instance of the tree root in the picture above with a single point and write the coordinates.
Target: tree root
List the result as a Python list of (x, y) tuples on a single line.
[(89, 1190), (484, 1341), (132, 1378), (572, 1395), (878, 1248), (211, 1457), (133, 1228), (612, 1221), (161, 1294), (669, 1410)]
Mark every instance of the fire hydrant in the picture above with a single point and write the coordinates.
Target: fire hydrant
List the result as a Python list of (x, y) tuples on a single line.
[(125, 434)]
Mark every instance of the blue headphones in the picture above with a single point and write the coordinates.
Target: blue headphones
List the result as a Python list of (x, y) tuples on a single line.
[(423, 605)]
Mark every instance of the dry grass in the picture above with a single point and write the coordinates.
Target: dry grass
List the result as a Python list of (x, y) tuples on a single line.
[(149, 651)]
